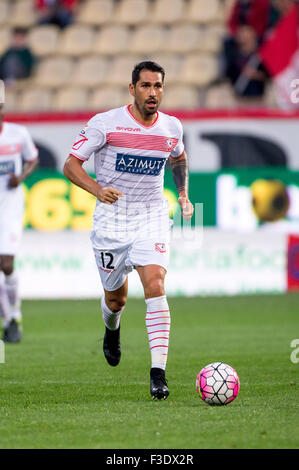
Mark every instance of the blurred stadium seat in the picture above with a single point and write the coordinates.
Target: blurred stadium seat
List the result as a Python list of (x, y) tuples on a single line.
[(199, 70), (96, 12), (111, 40), (167, 11), (147, 39), (120, 73), (76, 40), (270, 97), (90, 71), (54, 72), (211, 39), (132, 12), (220, 96), (23, 14), (107, 98), (172, 64), (5, 36), (108, 37), (43, 40), (182, 38), (35, 99), (177, 97), (203, 11), (70, 99), (4, 11), (11, 100)]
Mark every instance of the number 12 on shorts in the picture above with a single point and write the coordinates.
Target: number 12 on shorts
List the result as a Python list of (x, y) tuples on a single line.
[(107, 260)]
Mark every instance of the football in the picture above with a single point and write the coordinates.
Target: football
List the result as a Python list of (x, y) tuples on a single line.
[(217, 384)]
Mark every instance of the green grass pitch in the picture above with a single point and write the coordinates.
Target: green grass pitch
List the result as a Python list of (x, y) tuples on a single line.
[(56, 390)]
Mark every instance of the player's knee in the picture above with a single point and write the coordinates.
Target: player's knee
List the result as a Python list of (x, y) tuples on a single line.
[(7, 266), (154, 288), (116, 304)]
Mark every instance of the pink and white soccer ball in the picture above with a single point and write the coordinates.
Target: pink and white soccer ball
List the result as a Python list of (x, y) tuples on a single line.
[(217, 384)]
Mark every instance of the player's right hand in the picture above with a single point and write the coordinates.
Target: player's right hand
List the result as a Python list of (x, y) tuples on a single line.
[(13, 181), (109, 195)]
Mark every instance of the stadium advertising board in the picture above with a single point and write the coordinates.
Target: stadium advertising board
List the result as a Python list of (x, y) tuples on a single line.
[(53, 203), (61, 265), (246, 256)]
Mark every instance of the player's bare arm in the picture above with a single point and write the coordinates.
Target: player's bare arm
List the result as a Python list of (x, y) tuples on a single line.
[(179, 167), (29, 167), (74, 172)]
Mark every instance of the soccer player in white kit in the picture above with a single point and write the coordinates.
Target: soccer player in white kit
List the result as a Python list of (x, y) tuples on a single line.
[(16, 145), (131, 224)]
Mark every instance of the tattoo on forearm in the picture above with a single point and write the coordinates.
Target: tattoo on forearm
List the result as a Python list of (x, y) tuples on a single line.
[(180, 174)]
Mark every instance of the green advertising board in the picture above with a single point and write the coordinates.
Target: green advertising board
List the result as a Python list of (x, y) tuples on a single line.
[(53, 203)]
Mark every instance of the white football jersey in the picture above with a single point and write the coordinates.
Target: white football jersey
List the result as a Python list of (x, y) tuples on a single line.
[(15, 145), (129, 156)]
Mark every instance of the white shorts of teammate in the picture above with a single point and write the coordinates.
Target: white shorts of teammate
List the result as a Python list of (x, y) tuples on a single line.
[(11, 221), (115, 258)]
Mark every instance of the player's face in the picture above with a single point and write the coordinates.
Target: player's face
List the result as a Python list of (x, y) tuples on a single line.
[(148, 92)]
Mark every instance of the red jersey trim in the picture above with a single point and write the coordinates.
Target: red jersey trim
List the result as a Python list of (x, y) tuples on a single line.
[(179, 155), (141, 141), (136, 120), (76, 156), (10, 149), (35, 157)]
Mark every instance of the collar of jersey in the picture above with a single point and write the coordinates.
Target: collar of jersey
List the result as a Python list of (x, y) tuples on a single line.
[(145, 127)]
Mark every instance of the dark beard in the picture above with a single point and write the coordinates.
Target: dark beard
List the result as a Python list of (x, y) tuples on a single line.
[(143, 111)]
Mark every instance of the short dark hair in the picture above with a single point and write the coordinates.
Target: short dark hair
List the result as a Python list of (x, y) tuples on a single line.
[(146, 65)]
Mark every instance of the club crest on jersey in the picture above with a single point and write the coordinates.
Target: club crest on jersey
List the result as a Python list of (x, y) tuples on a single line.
[(160, 247), (139, 165), (84, 129), (170, 144), (7, 167)]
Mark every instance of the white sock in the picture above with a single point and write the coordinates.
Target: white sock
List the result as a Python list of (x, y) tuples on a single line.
[(4, 304), (158, 326), (11, 286), (111, 319)]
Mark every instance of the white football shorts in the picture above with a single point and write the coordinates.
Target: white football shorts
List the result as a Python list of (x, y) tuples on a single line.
[(11, 221), (116, 257)]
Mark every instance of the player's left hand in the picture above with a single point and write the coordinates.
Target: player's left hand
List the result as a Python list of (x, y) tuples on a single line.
[(13, 181), (187, 207)]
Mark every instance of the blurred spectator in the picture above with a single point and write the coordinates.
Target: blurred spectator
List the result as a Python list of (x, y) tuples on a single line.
[(254, 13), (58, 12), (247, 75), (283, 6), (18, 61), (261, 15)]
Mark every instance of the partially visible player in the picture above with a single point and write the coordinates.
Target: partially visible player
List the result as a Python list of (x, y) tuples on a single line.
[(16, 146), (131, 227)]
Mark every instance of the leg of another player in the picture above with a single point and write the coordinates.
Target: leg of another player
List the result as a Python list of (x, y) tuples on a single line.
[(157, 324), (113, 304), (9, 292)]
